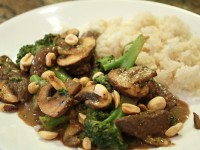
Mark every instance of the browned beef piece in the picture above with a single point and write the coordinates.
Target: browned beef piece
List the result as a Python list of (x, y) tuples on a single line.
[(131, 82), (7, 68), (151, 123), (39, 62), (15, 81), (157, 89)]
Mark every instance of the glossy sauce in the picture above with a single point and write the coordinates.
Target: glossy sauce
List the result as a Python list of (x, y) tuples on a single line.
[(30, 115)]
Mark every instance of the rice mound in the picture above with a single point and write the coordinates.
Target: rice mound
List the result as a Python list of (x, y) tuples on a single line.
[(171, 49)]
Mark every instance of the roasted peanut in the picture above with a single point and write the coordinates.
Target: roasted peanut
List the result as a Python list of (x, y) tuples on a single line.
[(48, 135), (157, 103), (173, 130), (33, 87), (116, 98), (90, 83), (8, 107), (50, 59), (97, 74), (84, 81), (81, 118), (101, 90), (71, 39), (54, 81), (130, 108), (86, 143), (26, 61)]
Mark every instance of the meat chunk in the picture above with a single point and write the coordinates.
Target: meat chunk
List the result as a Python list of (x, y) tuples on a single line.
[(13, 82), (131, 82), (8, 68), (39, 64), (157, 89), (152, 123)]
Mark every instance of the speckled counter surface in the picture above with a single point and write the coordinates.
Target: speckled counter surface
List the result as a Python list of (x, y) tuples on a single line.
[(11, 8)]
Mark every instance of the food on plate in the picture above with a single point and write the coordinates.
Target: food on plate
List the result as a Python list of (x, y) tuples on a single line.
[(172, 50), (196, 121), (65, 91)]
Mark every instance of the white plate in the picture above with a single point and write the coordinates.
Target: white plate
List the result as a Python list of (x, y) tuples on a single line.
[(28, 27)]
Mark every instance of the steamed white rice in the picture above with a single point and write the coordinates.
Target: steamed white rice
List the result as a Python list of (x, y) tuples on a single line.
[(170, 49)]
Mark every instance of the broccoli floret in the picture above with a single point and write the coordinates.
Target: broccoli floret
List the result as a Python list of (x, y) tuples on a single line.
[(105, 134), (48, 40), (127, 60), (62, 92), (50, 123), (103, 79)]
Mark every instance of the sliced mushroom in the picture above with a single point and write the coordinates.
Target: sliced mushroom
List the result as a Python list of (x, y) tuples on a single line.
[(53, 105), (6, 93), (81, 53), (131, 82), (92, 99)]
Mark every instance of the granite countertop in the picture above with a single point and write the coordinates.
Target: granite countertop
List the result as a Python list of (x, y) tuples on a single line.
[(11, 8)]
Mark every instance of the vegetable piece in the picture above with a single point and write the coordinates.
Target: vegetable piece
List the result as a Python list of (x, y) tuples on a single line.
[(100, 131), (50, 123), (61, 74), (48, 40), (127, 60), (51, 103), (37, 79), (103, 79)]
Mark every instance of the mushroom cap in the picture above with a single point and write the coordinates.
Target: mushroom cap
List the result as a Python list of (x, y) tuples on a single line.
[(131, 82), (79, 54), (93, 100), (6, 93), (54, 106)]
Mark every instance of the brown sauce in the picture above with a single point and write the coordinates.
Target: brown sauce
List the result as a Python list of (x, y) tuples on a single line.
[(29, 114), (181, 111)]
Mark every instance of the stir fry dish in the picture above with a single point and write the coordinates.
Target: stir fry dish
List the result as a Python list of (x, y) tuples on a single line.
[(59, 86)]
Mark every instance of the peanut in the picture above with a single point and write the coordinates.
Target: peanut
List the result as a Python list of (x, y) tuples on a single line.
[(33, 87), (48, 135), (84, 81), (71, 39), (116, 98), (86, 143), (157, 103), (130, 108), (173, 130)]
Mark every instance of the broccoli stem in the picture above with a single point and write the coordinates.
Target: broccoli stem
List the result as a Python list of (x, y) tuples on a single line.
[(50, 123), (133, 52), (38, 80), (61, 74), (117, 113), (128, 59)]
